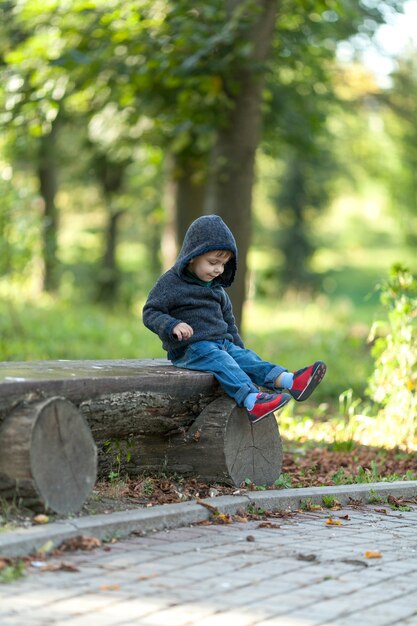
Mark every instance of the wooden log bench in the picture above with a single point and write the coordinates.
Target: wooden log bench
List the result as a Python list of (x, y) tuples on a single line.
[(62, 422)]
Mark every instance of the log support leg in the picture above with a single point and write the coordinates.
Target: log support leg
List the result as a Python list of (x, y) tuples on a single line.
[(47, 456), (223, 446)]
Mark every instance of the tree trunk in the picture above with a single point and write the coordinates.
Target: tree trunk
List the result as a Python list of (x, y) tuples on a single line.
[(109, 275), (111, 177), (189, 195), (230, 188), (48, 188), (47, 456), (294, 241)]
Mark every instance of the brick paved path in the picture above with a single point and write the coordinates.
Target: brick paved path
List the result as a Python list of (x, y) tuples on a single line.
[(302, 573)]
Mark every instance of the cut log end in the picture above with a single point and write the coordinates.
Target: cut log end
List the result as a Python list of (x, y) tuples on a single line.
[(49, 445), (223, 446), (253, 451)]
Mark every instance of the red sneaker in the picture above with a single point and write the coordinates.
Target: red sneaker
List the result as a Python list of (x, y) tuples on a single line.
[(267, 403), (306, 380)]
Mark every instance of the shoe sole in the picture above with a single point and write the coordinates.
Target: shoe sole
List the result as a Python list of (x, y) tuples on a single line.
[(315, 378), (255, 420)]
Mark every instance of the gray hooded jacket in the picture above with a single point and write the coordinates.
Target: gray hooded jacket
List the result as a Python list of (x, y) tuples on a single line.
[(177, 298)]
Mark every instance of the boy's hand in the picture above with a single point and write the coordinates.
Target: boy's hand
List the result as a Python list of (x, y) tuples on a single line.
[(182, 331)]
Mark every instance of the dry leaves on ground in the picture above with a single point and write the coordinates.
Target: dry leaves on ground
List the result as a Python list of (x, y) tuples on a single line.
[(81, 542)]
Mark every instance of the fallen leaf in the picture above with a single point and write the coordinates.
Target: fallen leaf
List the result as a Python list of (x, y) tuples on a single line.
[(347, 516), (197, 435), (356, 503), (383, 511), (311, 507), (268, 525), (240, 518), (224, 519), (147, 577), (333, 522), (373, 554), (109, 587), (41, 519), (210, 507), (47, 547), (81, 542), (59, 567), (395, 501)]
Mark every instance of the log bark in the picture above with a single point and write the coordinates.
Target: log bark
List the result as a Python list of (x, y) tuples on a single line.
[(47, 456), (137, 433)]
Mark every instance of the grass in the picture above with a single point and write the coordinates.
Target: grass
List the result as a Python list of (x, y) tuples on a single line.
[(49, 328), (297, 333)]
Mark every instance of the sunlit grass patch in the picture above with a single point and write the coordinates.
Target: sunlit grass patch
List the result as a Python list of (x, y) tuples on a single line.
[(340, 429), (295, 334), (50, 328)]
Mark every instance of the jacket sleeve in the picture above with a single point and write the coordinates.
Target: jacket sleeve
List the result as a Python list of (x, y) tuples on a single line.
[(230, 320), (156, 312)]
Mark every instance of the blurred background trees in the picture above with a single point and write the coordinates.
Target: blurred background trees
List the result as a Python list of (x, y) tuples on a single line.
[(94, 94)]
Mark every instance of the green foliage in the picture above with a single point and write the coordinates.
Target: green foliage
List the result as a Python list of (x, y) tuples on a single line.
[(329, 502), (393, 384), (400, 121), (252, 486), (307, 504), (19, 225), (389, 418), (339, 477), (12, 572), (256, 510), (374, 499), (148, 487), (368, 475), (120, 452), (283, 482), (341, 446)]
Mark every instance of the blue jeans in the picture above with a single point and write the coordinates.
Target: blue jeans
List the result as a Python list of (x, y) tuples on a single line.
[(238, 370)]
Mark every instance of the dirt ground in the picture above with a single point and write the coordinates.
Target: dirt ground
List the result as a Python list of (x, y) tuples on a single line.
[(305, 466)]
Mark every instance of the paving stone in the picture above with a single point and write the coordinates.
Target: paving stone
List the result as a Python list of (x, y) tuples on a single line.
[(236, 573)]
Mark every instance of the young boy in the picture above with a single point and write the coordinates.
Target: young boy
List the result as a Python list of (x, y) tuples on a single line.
[(191, 312)]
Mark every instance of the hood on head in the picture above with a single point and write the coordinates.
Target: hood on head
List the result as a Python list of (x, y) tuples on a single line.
[(207, 233)]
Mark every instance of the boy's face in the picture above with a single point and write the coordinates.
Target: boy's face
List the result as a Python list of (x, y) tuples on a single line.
[(210, 265)]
